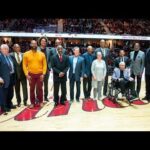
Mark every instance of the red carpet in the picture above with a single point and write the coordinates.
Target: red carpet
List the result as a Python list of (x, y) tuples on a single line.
[(109, 103), (60, 110), (90, 105), (27, 114), (1, 112), (138, 102)]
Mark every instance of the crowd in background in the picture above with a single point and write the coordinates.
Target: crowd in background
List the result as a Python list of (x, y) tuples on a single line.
[(87, 26)]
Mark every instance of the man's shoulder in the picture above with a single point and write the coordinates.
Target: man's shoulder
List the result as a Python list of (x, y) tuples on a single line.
[(27, 52), (116, 69), (85, 54), (142, 52), (81, 58)]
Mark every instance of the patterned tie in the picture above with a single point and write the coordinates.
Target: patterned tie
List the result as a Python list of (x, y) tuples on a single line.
[(9, 64), (18, 58), (60, 58)]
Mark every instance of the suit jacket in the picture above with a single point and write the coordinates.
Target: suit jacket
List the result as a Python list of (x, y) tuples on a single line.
[(53, 51), (58, 67), (48, 57), (116, 74), (18, 67), (147, 62), (126, 60), (88, 64), (5, 72), (1, 97), (79, 70), (137, 66)]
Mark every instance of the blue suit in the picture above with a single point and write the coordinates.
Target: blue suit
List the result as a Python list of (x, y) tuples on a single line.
[(79, 70), (75, 77), (88, 59), (6, 91), (4, 71)]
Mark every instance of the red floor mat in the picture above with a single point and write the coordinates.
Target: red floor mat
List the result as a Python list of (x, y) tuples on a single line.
[(1, 112), (90, 105), (27, 114), (138, 102), (109, 103), (60, 110)]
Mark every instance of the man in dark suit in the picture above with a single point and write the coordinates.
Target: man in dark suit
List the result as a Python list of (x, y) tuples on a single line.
[(60, 65), (147, 74), (87, 79), (43, 41), (1, 94), (17, 58), (76, 72), (7, 75), (122, 58), (105, 55)]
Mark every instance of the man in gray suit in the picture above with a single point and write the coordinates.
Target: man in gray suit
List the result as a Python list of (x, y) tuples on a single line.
[(105, 54), (43, 41), (137, 58), (20, 76)]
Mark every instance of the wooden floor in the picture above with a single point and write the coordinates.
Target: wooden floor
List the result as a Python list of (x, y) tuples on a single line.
[(131, 118)]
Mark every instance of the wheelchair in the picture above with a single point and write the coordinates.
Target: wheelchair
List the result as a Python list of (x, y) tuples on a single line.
[(114, 91)]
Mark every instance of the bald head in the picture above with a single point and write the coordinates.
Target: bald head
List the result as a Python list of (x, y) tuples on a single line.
[(16, 48), (33, 45), (122, 65), (102, 43), (90, 49)]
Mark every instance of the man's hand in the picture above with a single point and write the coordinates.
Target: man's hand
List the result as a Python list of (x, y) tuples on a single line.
[(94, 77), (81, 78), (41, 77), (61, 74), (1, 81), (120, 79), (131, 79), (85, 76), (29, 78)]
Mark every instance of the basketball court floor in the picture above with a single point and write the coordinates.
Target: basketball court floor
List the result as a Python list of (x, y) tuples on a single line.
[(131, 118)]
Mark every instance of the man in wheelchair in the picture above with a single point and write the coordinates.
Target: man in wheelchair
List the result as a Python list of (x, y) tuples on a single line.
[(122, 80)]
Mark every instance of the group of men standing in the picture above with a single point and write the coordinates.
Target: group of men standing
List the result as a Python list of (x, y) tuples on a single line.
[(35, 66)]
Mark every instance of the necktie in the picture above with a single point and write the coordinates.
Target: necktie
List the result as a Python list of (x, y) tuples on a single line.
[(104, 52), (18, 58), (9, 64), (60, 58)]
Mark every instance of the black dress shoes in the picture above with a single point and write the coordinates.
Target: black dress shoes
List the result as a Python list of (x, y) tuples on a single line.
[(46, 100), (13, 107), (56, 104), (78, 100), (62, 103), (25, 103), (18, 104)]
